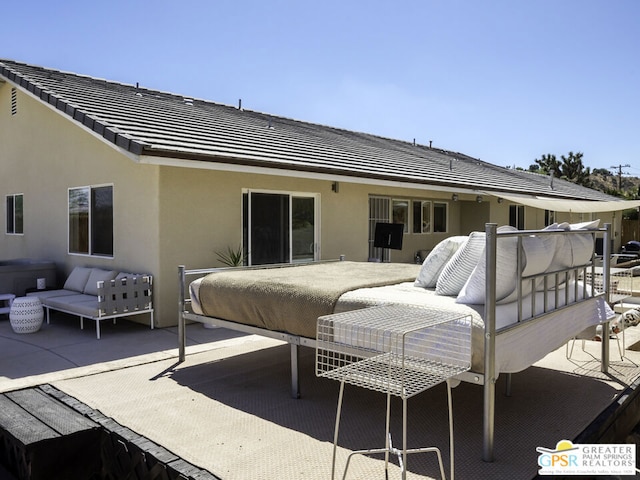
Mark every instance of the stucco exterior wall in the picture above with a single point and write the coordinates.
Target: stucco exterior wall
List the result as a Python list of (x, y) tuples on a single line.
[(209, 217)]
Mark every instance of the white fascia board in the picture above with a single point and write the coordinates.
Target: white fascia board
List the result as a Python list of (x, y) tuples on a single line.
[(230, 167)]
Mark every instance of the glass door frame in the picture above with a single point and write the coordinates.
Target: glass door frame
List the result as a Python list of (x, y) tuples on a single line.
[(291, 195)]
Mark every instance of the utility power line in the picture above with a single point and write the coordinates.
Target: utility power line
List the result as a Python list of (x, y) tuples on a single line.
[(619, 168)]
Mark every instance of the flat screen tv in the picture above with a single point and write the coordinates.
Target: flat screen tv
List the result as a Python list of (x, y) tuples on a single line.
[(388, 235)]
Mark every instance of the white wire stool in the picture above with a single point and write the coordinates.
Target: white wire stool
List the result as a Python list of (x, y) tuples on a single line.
[(397, 350)]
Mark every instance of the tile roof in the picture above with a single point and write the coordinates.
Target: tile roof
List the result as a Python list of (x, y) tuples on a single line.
[(161, 124)]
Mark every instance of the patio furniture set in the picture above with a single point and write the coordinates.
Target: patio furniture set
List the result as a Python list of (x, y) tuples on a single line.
[(92, 293)]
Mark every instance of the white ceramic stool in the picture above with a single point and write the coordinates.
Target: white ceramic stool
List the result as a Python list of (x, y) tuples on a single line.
[(26, 314)]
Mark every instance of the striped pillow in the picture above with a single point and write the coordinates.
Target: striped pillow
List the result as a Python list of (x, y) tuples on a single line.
[(474, 290), (436, 260), (457, 270)]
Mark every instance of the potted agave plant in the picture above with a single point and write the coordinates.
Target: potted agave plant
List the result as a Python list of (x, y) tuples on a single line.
[(232, 257)]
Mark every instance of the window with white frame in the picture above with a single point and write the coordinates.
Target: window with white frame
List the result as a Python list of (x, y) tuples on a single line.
[(430, 216), (426, 216), (549, 217), (400, 213), (15, 214), (421, 216), (91, 220)]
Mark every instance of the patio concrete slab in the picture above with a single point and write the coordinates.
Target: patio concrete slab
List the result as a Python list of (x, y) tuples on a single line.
[(227, 408)]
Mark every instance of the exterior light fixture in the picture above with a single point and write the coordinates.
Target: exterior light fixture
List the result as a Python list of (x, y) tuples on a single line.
[(454, 197), (479, 199)]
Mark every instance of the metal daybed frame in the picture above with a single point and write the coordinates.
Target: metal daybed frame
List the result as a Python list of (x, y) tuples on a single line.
[(488, 378)]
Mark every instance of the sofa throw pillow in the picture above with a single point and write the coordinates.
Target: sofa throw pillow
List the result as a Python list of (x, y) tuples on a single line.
[(474, 289), (98, 275), (436, 260), (457, 270), (77, 279)]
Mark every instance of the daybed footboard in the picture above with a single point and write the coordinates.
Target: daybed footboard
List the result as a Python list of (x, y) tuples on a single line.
[(185, 314)]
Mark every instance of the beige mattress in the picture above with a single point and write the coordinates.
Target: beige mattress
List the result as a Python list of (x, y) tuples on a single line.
[(290, 299), (279, 300)]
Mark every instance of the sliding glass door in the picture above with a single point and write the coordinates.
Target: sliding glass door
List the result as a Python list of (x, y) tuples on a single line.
[(279, 227)]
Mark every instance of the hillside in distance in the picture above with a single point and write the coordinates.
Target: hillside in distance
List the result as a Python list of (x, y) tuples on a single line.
[(629, 187)]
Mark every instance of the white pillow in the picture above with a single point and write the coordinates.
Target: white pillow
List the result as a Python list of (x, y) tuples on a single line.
[(458, 269), (437, 259), (77, 279), (582, 245), (548, 253), (97, 275), (561, 255), (590, 225), (572, 250), (474, 289), (538, 252)]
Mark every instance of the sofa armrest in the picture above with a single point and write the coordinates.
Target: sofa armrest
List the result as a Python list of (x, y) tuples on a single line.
[(125, 295)]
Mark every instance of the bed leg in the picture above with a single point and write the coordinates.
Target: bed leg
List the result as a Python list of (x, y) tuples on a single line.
[(604, 356), (295, 386), (507, 387), (488, 419)]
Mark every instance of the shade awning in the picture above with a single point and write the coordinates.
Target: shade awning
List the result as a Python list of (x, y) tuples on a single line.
[(565, 205)]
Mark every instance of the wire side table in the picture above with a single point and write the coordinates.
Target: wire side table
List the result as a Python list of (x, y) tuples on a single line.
[(398, 350)]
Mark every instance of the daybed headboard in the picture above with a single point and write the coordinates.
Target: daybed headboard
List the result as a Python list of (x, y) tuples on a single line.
[(541, 266)]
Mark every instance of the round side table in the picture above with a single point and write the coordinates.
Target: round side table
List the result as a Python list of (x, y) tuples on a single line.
[(26, 314)]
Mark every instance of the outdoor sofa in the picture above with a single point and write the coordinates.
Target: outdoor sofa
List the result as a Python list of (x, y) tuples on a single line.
[(99, 294)]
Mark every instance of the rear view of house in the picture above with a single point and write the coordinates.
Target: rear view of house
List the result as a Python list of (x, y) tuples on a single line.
[(104, 174)]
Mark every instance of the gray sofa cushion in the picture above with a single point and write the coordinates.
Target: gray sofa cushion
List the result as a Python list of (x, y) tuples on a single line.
[(77, 279), (46, 294), (68, 302), (86, 308)]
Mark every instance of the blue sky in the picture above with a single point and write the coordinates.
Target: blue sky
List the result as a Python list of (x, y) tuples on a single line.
[(502, 80)]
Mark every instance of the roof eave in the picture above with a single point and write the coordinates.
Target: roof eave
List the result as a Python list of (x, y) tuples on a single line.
[(338, 174)]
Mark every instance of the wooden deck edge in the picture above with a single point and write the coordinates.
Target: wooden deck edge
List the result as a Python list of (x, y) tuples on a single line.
[(126, 454), (619, 422)]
